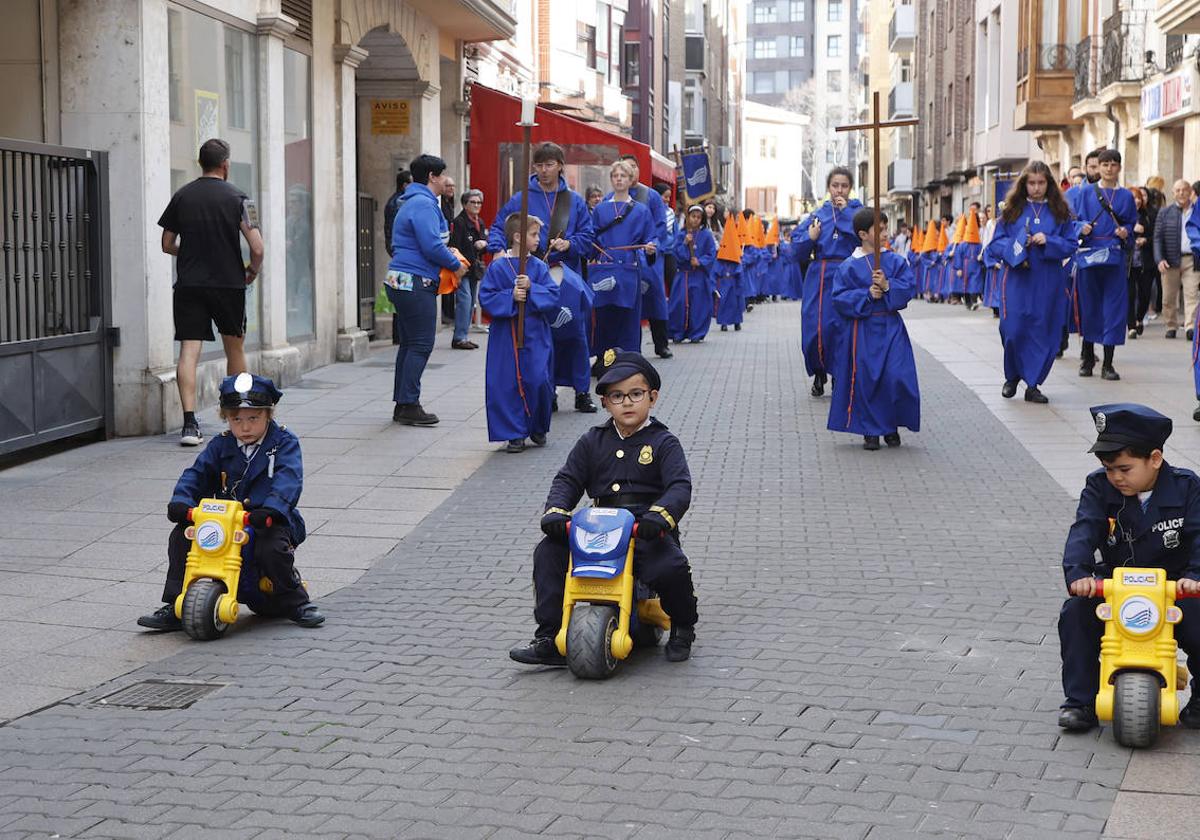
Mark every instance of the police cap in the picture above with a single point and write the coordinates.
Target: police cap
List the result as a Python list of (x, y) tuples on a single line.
[(624, 364), (248, 390), (1122, 425)]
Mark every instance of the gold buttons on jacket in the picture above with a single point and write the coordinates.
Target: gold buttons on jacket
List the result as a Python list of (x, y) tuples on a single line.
[(620, 453), (616, 488)]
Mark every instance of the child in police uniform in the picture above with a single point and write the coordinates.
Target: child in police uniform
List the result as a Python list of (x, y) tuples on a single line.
[(257, 461), (631, 461), (1136, 511)]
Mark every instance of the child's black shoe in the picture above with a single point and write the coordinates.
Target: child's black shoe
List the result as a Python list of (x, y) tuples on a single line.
[(1189, 716), (538, 439), (307, 615), (1075, 719), (870, 442), (584, 404), (679, 646), (162, 618), (541, 651)]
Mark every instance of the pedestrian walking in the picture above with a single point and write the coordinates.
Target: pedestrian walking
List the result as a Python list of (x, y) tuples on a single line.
[(691, 301), (654, 295), (1173, 256), (446, 201), (1107, 214), (420, 250), (203, 226), (469, 235), (1141, 265), (1034, 236)]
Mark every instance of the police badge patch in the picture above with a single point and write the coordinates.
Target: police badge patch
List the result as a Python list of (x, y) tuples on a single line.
[(610, 356), (1171, 539), (646, 456), (1101, 421)]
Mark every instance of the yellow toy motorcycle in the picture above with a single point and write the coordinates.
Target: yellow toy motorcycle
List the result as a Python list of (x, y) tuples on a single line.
[(221, 535), (606, 611), (1139, 674)]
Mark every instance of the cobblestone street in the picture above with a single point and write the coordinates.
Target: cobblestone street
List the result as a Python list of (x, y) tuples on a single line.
[(876, 654)]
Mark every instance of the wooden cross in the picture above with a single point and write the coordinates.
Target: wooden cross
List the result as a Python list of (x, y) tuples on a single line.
[(874, 126)]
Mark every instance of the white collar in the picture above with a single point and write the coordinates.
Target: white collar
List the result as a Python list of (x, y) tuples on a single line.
[(254, 443), (858, 252), (631, 434)]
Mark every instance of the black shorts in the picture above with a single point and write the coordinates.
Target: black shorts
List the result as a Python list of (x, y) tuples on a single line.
[(197, 307)]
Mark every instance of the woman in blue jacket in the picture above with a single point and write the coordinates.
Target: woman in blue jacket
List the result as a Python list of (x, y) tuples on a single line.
[(419, 253)]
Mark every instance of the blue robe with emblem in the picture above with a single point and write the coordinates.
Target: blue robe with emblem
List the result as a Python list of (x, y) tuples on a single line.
[(731, 297), (541, 204), (777, 284), (518, 384), (1101, 265), (1033, 308), (967, 255), (653, 285), (691, 302), (820, 322), (615, 272), (875, 388), (272, 478), (750, 271), (792, 271), (572, 365)]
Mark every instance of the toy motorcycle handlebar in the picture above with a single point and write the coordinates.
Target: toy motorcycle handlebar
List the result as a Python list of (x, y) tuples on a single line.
[(632, 534), (1099, 593)]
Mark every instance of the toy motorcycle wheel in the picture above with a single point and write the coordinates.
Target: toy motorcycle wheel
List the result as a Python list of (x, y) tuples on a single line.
[(589, 641), (200, 604), (1135, 708)]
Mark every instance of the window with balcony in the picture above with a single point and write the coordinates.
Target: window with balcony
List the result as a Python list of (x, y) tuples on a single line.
[(796, 46), (1061, 27), (764, 47), (796, 10), (833, 80), (764, 82), (835, 10), (833, 46), (764, 11)]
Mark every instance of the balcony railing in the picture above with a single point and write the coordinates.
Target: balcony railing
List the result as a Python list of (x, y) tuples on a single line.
[(900, 175), (1174, 51), (1050, 58), (902, 30), (1123, 55), (1087, 65), (900, 101)]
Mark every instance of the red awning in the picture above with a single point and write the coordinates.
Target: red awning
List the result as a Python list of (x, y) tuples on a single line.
[(495, 149)]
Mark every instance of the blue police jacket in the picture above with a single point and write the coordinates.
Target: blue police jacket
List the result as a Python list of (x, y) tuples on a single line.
[(648, 468), (272, 478), (1166, 536), (420, 234)]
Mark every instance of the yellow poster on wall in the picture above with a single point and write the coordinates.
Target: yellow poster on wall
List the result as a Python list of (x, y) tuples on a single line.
[(389, 116)]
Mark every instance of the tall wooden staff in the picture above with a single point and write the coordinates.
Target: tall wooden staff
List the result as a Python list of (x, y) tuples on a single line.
[(526, 124), (874, 125)]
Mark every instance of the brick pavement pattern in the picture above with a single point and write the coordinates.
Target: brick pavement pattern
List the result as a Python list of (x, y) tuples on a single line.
[(877, 658)]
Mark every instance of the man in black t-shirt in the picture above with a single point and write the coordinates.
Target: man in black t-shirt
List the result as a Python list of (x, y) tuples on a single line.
[(201, 228)]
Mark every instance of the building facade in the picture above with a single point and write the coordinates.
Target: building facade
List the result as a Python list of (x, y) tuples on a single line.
[(1000, 149), (944, 66), (771, 172), (320, 102)]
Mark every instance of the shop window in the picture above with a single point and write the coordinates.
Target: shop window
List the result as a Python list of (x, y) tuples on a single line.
[(298, 181), (211, 99)]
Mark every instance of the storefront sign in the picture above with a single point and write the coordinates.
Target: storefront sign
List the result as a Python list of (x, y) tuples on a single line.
[(389, 116), (1169, 98)]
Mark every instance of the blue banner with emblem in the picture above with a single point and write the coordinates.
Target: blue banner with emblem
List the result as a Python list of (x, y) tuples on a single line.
[(697, 176)]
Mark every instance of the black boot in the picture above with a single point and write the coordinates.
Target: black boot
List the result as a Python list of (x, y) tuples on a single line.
[(1033, 395), (679, 645), (584, 404), (893, 439), (541, 651), (1009, 389), (1074, 719), (307, 615), (818, 386), (411, 414), (870, 442)]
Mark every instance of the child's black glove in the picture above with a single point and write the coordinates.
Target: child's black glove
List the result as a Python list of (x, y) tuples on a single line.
[(554, 526), (259, 517), (177, 512), (652, 526)]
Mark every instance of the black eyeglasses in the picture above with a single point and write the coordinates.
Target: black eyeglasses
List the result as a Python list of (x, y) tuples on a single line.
[(618, 397)]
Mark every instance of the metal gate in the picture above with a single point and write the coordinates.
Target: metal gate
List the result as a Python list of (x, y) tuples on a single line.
[(55, 308), (368, 284)]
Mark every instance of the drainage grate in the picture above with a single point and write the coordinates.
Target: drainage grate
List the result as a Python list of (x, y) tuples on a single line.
[(159, 694)]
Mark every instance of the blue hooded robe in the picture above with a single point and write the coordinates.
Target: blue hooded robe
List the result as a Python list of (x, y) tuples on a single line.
[(570, 327), (1032, 304), (819, 321), (874, 376), (691, 302), (1101, 267), (518, 388), (615, 272), (541, 204)]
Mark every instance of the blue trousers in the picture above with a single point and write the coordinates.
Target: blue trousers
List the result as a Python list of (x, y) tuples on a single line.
[(464, 302), (1079, 632), (416, 317)]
